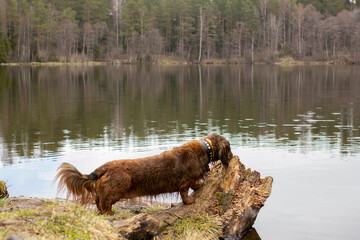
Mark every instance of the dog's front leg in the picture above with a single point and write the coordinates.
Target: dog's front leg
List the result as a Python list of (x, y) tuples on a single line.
[(184, 195), (197, 185)]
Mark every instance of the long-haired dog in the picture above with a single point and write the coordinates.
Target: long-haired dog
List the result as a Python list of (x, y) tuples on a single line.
[(176, 170)]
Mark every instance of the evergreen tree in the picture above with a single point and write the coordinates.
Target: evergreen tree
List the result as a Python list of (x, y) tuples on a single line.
[(40, 16), (130, 24), (185, 28), (12, 21), (3, 50), (274, 7), (332, 7), (250, 16), (96, 11), (336, 6), (210, 28)]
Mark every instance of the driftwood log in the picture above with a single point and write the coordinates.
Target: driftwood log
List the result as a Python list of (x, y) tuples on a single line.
[(235, 194)]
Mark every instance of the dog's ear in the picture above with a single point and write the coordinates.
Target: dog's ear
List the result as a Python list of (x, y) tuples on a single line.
[(225, 153), (230, 155)]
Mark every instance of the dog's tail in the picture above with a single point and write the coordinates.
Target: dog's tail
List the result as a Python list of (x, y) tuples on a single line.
[(80, 186)]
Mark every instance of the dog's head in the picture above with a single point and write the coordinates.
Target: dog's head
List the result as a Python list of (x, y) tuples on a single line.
[(222, 150)]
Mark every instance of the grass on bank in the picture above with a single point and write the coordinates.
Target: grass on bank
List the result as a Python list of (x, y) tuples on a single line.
[(64, 220), (3, 202), (56, 221)]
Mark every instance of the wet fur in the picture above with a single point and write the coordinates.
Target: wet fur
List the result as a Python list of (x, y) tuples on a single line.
[(176, 170)]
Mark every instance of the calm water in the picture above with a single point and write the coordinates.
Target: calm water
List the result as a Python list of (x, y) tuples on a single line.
[(297, 124)]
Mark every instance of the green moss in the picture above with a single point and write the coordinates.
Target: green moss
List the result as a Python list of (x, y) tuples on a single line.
[(197, 227), (17, 214), (164, 62), (224, 200), (154, 208), (119, 214), (3, 190)]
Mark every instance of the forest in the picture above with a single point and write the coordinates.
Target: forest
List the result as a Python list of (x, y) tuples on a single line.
[(188, 30)]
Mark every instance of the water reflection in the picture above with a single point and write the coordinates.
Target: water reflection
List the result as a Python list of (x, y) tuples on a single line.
[(251, 235), (44, 110)]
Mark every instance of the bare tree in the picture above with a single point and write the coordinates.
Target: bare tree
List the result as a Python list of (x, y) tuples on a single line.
[(274, 29), (117, 11), (345, 21), (209, 30), (236, 39), (298, 17), (24, 39), (66, 35), (88, 40), (284, 15), (355, 40), (201, 27), (263, 14), (312, 32)]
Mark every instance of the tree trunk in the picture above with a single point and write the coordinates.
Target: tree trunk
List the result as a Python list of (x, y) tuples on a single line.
[(252, 48), (118, 9), (233, 193), (240, 42), (201, 33), (182, 38)]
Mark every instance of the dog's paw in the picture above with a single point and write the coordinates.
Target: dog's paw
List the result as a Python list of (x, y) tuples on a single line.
[(197, 185), (188, 200)]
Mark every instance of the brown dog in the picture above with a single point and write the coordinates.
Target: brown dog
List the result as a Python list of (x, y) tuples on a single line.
[(176, 170)]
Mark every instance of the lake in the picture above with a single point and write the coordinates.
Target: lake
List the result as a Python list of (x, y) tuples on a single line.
[(298, 124)]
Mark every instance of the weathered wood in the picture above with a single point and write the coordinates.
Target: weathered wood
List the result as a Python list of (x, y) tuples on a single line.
[(233, 193)]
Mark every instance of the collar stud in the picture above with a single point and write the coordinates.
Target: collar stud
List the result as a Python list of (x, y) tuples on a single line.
[(208, 147)]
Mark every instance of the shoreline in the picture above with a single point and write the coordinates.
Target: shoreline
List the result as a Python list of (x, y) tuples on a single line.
[(169, 61), (92, 63), (24, 217), (32, 218)]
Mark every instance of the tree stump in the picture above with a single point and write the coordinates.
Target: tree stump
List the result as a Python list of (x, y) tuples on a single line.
[(234, 194)]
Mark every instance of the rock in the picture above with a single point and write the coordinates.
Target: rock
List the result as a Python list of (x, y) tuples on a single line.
[(16, 236), (22, 202)]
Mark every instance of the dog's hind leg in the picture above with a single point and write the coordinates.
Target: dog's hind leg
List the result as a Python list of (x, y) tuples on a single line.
[(97, 201), (100, 198), (108, 207), (104, 205), (100, 204)]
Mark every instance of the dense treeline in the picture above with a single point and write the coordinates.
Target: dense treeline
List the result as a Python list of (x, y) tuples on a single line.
[(193, 30)]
